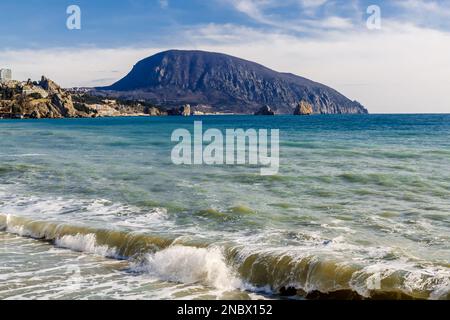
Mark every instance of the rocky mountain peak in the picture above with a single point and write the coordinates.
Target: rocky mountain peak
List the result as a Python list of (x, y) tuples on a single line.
[(226, 83)]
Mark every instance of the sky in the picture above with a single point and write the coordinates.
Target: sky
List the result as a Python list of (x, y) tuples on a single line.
[(394, 62)]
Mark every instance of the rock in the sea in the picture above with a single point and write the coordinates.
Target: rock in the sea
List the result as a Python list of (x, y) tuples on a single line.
[(35, 115), (153, 111), (304, 108), (184, 111), (265, 111)]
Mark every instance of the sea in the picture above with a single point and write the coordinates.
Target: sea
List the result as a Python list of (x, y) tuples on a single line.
[(96, 209)]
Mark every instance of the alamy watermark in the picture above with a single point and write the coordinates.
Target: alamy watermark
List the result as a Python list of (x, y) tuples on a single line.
[(374, 20), (256, 147), (74, 20)]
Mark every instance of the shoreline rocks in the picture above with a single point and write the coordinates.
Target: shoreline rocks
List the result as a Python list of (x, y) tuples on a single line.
[(303, 108), (184, 111), (265, 111), (46, 99)]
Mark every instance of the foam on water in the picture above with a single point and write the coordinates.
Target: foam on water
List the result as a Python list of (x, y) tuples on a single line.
[(85, 243), (191, 265), (428, 282)]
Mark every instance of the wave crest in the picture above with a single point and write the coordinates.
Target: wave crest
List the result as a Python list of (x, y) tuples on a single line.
[(191, 265), (85, 243)]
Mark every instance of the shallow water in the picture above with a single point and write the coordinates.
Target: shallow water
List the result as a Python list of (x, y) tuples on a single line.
[(359, 209)]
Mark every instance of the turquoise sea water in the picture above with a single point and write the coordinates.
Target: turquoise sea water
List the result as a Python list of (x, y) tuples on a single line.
[(360, 208)]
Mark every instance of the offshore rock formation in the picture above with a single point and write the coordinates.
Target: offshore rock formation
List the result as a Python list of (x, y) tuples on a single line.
[(303, 109), (227, 84), (265, 111), (46, 99), (184, 111)]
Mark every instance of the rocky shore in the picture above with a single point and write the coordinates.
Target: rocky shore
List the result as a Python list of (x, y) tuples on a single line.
[(265, 111), (46, 99), (304, 108)]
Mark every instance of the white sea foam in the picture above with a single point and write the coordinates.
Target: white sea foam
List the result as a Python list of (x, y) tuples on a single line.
[(85, 243), (18, 230), (23, 155), (191, 265), (432, 280), (15, 228), (99, 210), (435, 280)]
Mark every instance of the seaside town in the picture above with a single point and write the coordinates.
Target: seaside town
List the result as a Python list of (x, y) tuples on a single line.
[(46, 99)]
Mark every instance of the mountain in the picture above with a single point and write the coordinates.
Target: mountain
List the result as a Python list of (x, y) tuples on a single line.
[(225, 84)]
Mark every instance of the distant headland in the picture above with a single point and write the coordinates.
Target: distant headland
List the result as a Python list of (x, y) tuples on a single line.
[(227, 84)]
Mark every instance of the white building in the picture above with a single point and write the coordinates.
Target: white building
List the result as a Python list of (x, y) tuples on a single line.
[(5, 75)]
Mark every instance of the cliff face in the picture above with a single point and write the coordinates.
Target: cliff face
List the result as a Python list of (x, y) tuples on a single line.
[(226, 83), (303, 109), (46, 99), (43, 99)]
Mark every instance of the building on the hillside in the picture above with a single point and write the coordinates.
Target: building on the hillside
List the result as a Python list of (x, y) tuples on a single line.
[(5, 75)]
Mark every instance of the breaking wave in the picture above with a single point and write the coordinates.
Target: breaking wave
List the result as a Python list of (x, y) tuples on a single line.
[(232, 267), (191, 265), (85, 243)]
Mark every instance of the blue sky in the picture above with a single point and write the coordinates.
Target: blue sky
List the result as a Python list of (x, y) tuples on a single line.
[(105, 23), (388, 70)]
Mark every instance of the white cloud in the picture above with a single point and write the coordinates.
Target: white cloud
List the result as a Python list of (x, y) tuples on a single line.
[(255, 10), (434, 7), (312, 3), (434, 14), (249, 7), (73, 67), (310, 7), (330, 23), (164, 4), (259, 11)]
